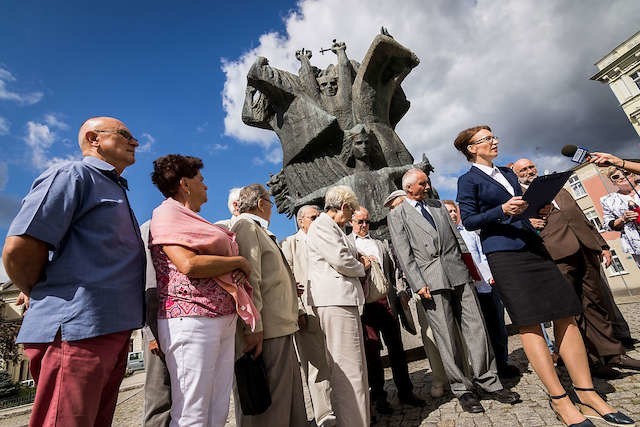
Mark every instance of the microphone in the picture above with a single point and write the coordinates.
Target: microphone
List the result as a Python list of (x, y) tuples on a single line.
[(577, 154)]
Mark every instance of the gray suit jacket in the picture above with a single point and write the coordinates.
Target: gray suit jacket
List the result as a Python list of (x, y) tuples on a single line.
[(428, 257), (333, 268)]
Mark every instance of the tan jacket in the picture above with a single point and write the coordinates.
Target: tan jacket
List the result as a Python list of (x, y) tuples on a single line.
[(333, 269), (294, 249), (274, 292)]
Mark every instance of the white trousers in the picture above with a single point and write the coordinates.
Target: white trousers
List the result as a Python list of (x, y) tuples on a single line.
[(199, 352)]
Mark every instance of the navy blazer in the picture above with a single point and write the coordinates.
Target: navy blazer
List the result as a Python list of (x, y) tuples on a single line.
[(480, 198)]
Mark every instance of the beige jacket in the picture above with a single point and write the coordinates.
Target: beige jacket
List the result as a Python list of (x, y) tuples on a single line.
[(333, 271), (274, 291)]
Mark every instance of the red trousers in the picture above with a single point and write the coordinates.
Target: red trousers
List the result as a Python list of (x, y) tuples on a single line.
[(77, 381)]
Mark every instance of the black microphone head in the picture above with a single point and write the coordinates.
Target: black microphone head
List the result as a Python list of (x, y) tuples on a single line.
[(569, 150)]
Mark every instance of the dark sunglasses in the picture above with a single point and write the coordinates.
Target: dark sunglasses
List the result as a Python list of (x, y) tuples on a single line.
[(618, 176)]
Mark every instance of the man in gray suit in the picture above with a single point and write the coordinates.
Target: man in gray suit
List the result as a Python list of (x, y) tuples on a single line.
[(429, 250), (309, 339)]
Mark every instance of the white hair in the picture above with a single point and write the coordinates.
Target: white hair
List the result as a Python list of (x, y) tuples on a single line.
[(303, 210), (234, 194), (338, 196), (409, 177)]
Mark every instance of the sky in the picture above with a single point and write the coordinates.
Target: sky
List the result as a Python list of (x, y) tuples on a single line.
[(176, 76)]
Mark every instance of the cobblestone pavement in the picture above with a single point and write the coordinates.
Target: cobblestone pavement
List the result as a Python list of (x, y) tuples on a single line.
[(623, 394)]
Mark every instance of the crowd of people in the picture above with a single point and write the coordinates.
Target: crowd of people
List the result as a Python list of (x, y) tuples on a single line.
[(321, 300)]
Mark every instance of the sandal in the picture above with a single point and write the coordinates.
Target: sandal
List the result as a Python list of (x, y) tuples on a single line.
[(613, 418), (585, 423)]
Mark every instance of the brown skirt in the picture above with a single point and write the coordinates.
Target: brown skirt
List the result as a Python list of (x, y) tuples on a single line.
[(531, 287)]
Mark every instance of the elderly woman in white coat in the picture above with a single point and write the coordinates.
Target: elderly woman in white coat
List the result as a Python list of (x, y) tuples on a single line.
[(337, 298)]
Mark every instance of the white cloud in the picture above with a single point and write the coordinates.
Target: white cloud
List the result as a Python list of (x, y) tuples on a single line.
[(146, 141), (271, 156), (55, 122), (219, 147), (5, 126), (522, 67), (201, 128), (4, 175), (20, 98), (39, 139)]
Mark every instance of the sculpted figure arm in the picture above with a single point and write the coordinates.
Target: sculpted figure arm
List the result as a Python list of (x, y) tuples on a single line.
[(345, 72), (307, 74)]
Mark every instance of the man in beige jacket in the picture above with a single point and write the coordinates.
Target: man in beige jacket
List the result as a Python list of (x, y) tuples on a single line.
[(310, 338), (274, 294)]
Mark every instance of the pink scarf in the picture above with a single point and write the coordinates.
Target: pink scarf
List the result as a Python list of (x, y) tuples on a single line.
[(175, 224)]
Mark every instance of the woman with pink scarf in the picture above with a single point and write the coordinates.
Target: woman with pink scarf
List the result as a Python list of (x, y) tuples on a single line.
[(202, 288)]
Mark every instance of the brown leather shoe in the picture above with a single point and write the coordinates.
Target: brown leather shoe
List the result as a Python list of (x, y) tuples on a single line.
[(625, 362)]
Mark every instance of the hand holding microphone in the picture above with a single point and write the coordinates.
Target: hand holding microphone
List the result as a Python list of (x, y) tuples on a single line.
[(581, 155), (633, 214)]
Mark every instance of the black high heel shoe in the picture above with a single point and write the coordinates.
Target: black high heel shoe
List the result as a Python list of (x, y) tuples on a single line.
[(585, 423), (613, 418)]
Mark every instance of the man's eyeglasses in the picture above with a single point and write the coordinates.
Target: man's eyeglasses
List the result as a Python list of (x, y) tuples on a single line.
[(266, 200), (489, 138), (312, 217), (618, 177), (363, 221), (122, 132)]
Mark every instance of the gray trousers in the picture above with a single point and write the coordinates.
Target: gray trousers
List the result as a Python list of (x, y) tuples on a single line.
[(433, 354), (447, 311), (312, 351), (285, 384), (157, 390)]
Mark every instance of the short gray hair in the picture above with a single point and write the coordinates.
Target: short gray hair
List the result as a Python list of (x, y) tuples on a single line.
[(409, 177), (234, 193), (249, 197), (338, 196), (304, 209)]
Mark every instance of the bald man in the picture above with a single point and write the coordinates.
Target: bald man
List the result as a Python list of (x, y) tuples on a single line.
[(577, 248), (75, 250)]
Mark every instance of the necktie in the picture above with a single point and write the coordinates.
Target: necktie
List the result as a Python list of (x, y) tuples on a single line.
[(426, 214)]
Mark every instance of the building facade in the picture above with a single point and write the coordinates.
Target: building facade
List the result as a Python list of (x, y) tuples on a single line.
[(620, 69), (587, 185)]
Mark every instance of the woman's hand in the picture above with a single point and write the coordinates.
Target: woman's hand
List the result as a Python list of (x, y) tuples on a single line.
[(245, 266), (514, 206), (155, 348), (605, 159), (253, 343), (629, 216), (366, 262)]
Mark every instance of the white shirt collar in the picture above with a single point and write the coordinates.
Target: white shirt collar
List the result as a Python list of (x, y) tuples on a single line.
[(489, 170), (368, 236), (263, 222)]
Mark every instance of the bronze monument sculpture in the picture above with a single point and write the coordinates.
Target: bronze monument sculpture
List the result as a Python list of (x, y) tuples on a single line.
[(337, 125)]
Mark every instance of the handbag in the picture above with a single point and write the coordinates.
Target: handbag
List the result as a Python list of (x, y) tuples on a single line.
[(377, 283), (252, 384)]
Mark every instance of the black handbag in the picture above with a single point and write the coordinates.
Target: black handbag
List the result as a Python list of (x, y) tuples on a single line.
[(252, 385)]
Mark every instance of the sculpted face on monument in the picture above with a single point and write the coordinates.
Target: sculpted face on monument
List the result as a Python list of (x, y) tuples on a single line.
[(328, 85)]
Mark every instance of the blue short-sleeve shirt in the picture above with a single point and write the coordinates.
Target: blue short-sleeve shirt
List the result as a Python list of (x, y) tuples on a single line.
[(93, 283)]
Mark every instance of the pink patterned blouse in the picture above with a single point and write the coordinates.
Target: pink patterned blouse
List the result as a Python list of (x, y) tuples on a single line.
[(182, 296)]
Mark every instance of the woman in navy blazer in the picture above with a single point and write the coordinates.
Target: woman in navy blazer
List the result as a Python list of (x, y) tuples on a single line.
[(530, 285)]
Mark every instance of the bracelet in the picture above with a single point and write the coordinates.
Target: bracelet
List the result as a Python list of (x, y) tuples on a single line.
[(622, 164)]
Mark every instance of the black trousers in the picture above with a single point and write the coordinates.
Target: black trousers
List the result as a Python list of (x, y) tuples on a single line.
[(377, 320), (493, 312)]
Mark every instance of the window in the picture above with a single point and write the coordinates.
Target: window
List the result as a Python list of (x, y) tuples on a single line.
[(576, 187), (594, 219), (636, 78), (616, 268)]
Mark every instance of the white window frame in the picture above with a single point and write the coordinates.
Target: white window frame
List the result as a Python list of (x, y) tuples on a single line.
[(612, 270), (577, 188), (594, 219), (635, 76)]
